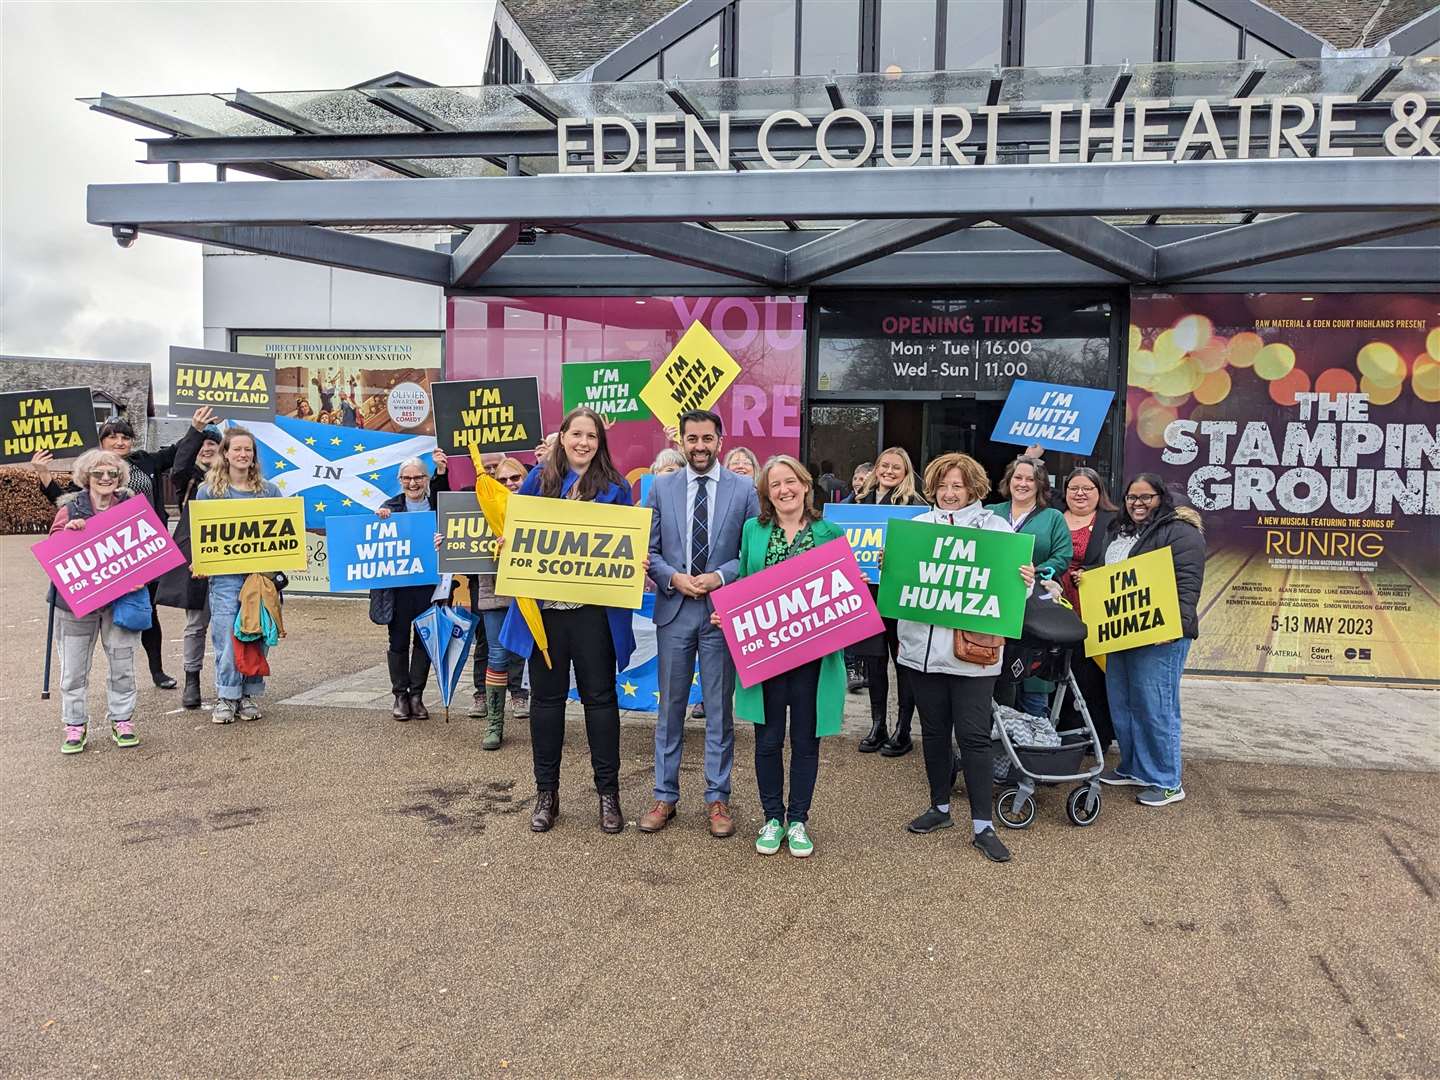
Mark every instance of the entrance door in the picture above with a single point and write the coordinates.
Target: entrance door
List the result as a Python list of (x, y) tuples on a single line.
[(964, 425)]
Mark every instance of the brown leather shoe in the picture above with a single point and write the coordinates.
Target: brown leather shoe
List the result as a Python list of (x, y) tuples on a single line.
[(547, 809), (657, 817), (417, 708), (721, 823), (612, 818), (401, 711)]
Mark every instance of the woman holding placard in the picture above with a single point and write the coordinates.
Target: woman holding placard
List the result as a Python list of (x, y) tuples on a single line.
[(953, 673), (102, 477), (406, 658), (1026, 487), (891, 482), (1143, 683), (597, 640), (788, 525), (234, 475), (1088, 514)]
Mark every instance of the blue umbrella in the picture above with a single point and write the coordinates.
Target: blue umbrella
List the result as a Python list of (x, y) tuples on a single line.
[(447, 634)]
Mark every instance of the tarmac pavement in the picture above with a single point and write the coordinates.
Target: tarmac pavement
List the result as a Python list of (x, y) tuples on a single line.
[(328, 893)]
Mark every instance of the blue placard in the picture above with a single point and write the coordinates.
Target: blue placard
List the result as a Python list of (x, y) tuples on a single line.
[(375, 553), (864, 527), (1064, 418)]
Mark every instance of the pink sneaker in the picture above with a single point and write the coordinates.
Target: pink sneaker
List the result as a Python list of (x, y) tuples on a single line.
[(74, 739), (123, 733)]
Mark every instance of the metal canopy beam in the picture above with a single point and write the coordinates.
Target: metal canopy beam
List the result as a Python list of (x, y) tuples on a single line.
[(864, 242), (315, 245), (998, 191), (1095, 241), (691, 245), (1281, 238), (479, 251)]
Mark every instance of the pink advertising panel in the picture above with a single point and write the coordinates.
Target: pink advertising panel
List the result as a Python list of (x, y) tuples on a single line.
[(503, 337), (118, 550), (806, 607)]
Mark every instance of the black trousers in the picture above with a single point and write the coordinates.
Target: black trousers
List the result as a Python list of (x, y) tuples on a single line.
[(151, 640), (409, 662), (792, 692), (958, 705), (878, 668), (579, 637)]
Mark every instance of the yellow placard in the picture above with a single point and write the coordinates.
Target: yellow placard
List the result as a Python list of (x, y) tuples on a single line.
[(577, 552), (694, 375), (243, 536), (1130, 603)]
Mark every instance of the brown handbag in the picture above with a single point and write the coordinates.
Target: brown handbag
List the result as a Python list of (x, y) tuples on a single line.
[(981, 649)]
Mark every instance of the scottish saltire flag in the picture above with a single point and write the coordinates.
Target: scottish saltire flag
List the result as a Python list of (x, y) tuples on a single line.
[(638, 687), (336, 470)]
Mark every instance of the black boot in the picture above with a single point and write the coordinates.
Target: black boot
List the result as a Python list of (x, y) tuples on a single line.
[(878, 734), (900, 743), (856, 679), (163, 681), (190, 696), (399, 685)]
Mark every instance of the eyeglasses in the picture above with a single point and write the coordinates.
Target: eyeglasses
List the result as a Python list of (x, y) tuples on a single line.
[(413, 479), (1137, 500), (1076, 489), (105, 474)]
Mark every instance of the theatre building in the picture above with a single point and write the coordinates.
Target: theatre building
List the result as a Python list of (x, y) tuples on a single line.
[(887, 211)]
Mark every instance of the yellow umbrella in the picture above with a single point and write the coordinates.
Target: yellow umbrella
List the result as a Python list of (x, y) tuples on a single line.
[(493, 497)]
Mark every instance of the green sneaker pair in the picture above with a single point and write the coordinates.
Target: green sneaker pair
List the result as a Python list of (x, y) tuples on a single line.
[(774, 834)]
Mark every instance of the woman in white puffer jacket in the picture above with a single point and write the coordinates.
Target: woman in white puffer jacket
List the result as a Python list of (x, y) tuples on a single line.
[(951, 695)]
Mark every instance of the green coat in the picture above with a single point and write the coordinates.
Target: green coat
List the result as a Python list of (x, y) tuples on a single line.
[(1053, 546), (830, 696)]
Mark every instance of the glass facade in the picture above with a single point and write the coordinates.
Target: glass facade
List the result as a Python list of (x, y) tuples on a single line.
[(696, 55), (829, 37), (766, 30), (974, 33), (1055, 33), (1202, 35), (907, 36), (1122, 31)]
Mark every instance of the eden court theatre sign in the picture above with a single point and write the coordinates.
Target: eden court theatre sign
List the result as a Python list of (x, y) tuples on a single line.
[(1143, 129)]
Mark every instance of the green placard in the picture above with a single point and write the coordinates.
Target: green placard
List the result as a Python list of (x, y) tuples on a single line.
[(947, 575), (611, 387)]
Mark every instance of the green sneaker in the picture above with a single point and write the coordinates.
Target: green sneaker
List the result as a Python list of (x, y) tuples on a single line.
[(769, 840), (75, 736), (124, 733), (799, 840)]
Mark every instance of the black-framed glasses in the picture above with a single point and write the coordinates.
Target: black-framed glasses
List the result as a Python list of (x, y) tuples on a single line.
[(1139, 500), (413, 479)]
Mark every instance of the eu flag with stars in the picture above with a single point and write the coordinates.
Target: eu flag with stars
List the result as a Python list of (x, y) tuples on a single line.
[(336, 470)]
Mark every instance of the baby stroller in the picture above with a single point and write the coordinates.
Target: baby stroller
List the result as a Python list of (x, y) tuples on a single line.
[(1052, 630)]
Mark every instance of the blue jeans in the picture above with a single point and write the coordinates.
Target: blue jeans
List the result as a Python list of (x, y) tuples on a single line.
[(1144, 689), (1033, 702), (497, 657), (224, 603)]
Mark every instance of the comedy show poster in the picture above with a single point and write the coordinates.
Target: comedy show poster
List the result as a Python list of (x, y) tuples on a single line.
[(1304, 429), (375, 381)]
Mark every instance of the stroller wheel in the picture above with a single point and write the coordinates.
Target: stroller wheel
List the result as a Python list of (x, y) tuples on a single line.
[(1013, 811), (1082, 806)]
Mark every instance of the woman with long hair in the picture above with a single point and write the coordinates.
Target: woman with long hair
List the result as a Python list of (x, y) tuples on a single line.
[(952, 693), (1088, 514), (234, 475), (597, 640), (1026, 487), (812, 695), (1144, 683), (891, 482), (102, 478)]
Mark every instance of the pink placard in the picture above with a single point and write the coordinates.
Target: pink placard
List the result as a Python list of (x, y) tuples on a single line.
[(805, 607), (119, 549)]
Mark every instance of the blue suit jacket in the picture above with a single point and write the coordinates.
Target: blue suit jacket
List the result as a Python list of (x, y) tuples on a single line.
[(733, 502)]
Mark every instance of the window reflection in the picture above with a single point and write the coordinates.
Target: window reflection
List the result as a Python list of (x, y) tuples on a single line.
[(907, 36), (973, 33), (830, 37), (767, 38), (696, 55)]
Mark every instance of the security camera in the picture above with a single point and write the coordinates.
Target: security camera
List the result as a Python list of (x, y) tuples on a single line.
[(125, 235)]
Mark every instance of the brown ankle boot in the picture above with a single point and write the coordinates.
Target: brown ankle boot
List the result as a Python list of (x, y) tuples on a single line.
[(401, 711), (547, 809), (612, 818)]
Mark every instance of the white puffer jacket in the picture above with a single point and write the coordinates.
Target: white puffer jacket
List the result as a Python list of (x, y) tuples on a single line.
[(932, 648)]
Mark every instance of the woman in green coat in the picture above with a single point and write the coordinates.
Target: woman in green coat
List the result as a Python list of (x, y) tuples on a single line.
[(1027, 486), (813, 695)]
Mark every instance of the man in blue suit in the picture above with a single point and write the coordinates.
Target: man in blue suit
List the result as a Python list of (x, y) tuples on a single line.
[(700, 512)]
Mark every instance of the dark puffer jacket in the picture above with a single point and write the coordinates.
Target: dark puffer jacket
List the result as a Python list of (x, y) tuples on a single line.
[(1180, 529)]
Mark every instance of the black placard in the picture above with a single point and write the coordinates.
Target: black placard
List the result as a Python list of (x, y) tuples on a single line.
[(497, 415), (467, 546), (237, 386), (61, 421)]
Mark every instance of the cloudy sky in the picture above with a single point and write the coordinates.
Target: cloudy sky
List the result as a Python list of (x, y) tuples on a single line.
[(66, 288)]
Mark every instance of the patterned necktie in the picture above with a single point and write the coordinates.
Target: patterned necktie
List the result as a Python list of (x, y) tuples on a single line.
[(700, 527)]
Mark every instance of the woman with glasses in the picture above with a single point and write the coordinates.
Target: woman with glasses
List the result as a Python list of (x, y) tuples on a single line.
[(408, 661), (1144, 683), (1088, 515), (101, 476)]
